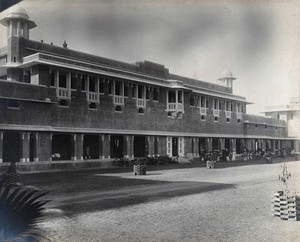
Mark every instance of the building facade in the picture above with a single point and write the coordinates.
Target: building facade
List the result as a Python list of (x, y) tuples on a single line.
[(61, 104)]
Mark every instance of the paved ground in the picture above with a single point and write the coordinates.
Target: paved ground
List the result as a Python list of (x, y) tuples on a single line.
[(187, 204)]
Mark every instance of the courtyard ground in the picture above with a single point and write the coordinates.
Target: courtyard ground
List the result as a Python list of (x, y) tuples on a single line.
[(175, 203)]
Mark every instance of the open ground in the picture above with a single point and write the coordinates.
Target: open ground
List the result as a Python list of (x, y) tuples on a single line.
[(181, 203)]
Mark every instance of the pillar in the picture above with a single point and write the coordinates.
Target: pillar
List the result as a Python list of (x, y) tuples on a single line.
[(196, 147), (25, 139), (273, 145), (162, 146), (263, 145), (106, 146), (78, 147), (232, 144), (208, 144), (131, 150), (127, 141), (1, 147), (101, 147), (150, 146), (156, 142), (36, 141), (73, 147), (222, 143)]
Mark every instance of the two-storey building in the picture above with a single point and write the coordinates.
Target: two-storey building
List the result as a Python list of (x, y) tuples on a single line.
[(61, 104)]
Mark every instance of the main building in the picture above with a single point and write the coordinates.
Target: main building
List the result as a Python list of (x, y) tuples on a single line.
[(61, 104)]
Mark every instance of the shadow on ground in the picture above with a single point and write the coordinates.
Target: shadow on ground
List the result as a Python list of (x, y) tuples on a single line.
[(152, 191)]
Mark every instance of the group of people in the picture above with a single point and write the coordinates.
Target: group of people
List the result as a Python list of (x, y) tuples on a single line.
[(226, 155)]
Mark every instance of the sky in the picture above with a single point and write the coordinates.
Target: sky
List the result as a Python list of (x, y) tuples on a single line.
[(257, 40)]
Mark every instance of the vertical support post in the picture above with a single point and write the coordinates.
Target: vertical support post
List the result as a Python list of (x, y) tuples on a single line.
[(74, 148), (222, 143), (107, 146), (25, 139), (36, 145), (126, 146), (131, 140), (79, 146), (233, 144), (101, 147), (1, 147), (208, 144), (150, 146)]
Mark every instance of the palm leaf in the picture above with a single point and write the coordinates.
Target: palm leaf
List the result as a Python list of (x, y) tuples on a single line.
[(20, 210)]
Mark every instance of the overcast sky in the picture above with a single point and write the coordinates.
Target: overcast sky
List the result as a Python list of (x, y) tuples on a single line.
[(258, 42)]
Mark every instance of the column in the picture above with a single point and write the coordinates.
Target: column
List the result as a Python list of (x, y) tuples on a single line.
[(106, 146), (36, 145), (150, 146), (162, 146), (233, 144), (273, 145), (208, 144), (156, 140), (1, 147), (79, 146), (25, 139), (73, 148), (222, 143), (263, 145), (131, 142), (126, 146), (196, 147), (101, 147)]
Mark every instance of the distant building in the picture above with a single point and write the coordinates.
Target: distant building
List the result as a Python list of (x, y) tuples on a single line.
[(290, 113), (61, 104)]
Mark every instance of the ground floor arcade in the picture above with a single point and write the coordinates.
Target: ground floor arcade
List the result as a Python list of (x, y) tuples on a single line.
[(19, 146)]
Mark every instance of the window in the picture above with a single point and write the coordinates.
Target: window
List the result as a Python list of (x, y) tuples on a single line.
[(133, 91), (101, 87), (52, 79), (73, 81), (63, 103), (14, 28), (147, 93), (203, 102), (83, 82), (216, 104), (140, 91), (180, 96), (172, 96), (141, 111), (12, 104), (110, 87), (92, 106), (22, 29), (92, 84), (192, 100), (62, 80), (155, 93), (118, 108), (118, 88), (27, 76), (126, 90)]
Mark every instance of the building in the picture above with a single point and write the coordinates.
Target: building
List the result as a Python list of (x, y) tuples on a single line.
[(61, 104), (290, 113)]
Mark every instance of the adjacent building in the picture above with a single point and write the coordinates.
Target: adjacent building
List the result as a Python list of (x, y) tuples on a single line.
[(60, 104)]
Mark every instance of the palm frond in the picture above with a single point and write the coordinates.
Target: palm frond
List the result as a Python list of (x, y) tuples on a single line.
[(20, 210)]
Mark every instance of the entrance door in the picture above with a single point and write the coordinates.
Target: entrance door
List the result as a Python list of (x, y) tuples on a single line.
[(174, 146)]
